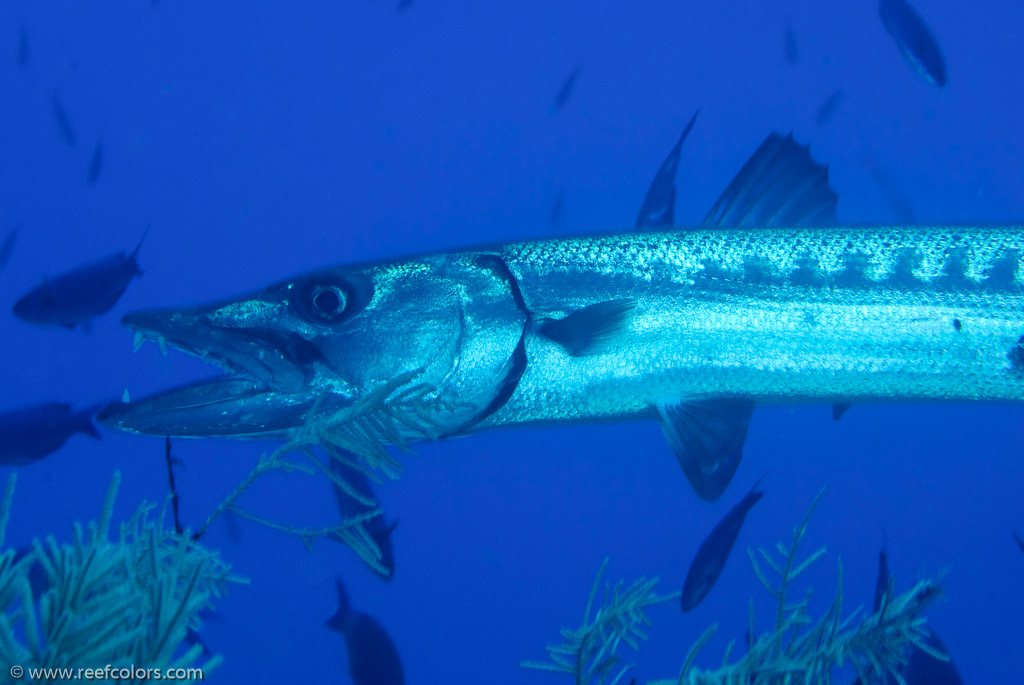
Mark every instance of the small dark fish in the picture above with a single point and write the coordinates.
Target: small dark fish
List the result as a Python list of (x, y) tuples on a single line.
[(924, 669), (789, 48), (828, 107), (915, 41), (714, 552), (7, 246), (372, 656), (73, 298), (60, 115), (565, 92), (377, 527), (1020, 543), (95, 163), (659, 205), (29, 434), (23, 53)]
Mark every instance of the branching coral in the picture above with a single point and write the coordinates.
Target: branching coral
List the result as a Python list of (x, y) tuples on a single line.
[(392, 414), (797, 649), (352, 531), (357, 437), (588, 652), (129, 602)]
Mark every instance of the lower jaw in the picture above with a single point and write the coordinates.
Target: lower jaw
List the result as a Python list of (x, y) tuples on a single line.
[(226, 406)]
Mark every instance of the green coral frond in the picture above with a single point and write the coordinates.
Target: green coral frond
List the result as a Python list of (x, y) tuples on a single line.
[(126, 601), (351, 530), (274, 461), (806, 563), (356, 436), (102, 531), (790, 555), (760, 574), (589, 652), (796, 649), (390, 414), (697, 646)]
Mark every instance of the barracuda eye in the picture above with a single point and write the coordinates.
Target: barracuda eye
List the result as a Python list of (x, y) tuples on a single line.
[(330, 299)]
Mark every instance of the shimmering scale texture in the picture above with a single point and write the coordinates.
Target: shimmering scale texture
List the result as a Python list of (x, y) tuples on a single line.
[(776, 315)]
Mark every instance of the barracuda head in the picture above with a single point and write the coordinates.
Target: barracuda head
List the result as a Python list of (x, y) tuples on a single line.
[(375, 341)]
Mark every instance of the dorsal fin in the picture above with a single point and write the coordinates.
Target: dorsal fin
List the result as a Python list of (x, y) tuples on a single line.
[(780, 185)]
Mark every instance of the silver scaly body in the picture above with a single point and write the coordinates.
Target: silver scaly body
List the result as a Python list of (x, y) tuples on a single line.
[(776, 315)]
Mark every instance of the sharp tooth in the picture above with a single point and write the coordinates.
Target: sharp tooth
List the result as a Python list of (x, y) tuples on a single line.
[(125, 398), (139, 339), (162, 341)]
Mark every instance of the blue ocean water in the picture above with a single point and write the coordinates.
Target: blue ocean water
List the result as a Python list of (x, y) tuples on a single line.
[(265, 139)]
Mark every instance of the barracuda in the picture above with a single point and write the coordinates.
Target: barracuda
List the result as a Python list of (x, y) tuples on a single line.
[(694, 327)]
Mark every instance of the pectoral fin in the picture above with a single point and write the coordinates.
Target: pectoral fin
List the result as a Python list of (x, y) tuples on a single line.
[(707, 436), (591, 330)]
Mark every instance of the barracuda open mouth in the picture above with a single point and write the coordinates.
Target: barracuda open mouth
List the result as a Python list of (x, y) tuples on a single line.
[(260, 394), (278, 359)]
